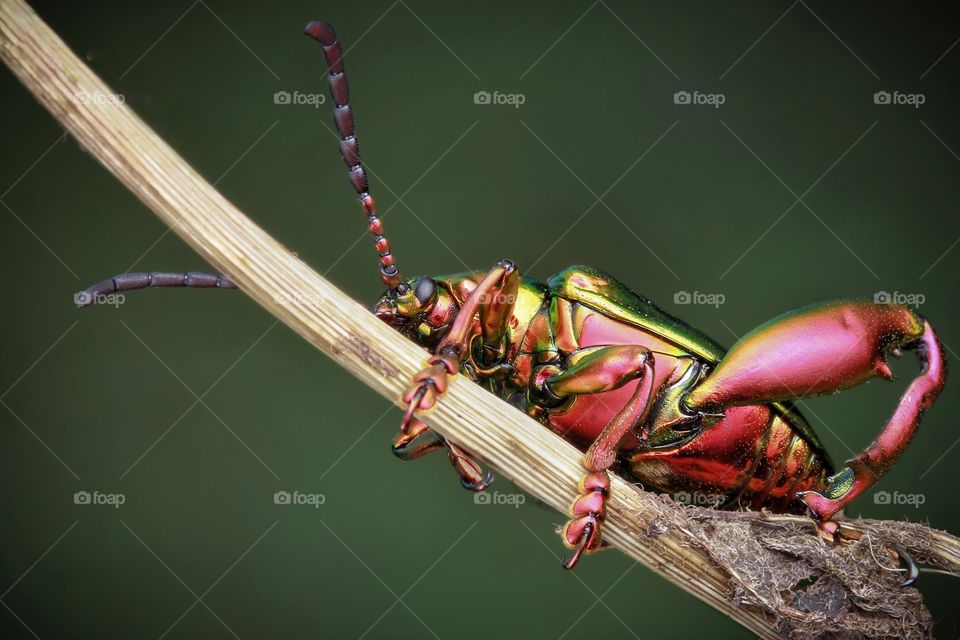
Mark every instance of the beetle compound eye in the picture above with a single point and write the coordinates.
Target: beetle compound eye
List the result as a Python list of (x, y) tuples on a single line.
[(424, 290)]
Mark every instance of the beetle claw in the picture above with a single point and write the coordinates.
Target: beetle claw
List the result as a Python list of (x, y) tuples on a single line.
[(840, 532), (480, 485), (412, 406), (913, 571), (585, 537)]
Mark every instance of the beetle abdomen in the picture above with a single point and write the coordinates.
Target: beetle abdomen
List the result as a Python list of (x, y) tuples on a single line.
[(752, 458)]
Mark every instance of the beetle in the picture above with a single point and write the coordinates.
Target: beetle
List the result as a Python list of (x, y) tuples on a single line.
[(641, 393)]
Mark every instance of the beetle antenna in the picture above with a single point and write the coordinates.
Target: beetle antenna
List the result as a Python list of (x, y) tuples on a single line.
[(349, 148)]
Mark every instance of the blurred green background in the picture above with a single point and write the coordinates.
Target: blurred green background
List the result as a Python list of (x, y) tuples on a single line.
[(197, 407)]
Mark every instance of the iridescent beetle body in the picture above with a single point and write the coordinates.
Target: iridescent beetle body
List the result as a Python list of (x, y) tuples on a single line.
[(756, 455), (645, 395), (640, 392)]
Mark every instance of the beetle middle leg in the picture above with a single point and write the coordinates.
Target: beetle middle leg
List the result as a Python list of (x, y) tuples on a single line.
[(492, 301), (418, 440), (595, 370)]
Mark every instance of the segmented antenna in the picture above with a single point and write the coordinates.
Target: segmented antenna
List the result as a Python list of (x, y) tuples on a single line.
[(131, 281), (349, 147)]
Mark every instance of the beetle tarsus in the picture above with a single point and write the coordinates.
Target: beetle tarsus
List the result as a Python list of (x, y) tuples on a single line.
[(585, 537), (837, 532), (480, 485), (416, 442), (472, 477), (423, 394)]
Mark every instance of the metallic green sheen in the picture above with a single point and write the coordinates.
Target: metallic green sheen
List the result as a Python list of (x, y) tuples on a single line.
[(616, 300)]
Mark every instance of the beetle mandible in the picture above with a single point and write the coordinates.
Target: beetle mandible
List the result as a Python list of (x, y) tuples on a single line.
[(640, 392)]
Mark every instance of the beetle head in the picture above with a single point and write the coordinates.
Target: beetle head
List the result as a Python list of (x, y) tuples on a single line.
[(421, 309)]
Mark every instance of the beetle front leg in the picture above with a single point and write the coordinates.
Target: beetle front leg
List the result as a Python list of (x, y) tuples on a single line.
[(600, 369), (493, 300), (824, 349)]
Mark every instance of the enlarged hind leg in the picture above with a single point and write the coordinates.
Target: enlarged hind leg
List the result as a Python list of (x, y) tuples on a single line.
[(823, 349)]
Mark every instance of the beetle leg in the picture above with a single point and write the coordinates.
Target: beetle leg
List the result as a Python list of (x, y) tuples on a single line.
[(428, 385), (603, 369), (493, 300), (472, 477), (418, 441), (495, 313), (823, 349), (865, 469), (598, 369)]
